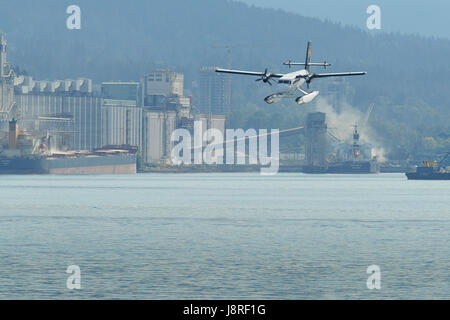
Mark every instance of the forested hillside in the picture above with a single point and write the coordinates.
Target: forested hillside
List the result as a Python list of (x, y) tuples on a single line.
[(408, 76)]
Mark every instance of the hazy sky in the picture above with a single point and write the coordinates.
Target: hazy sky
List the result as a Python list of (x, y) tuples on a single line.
[(429, 17)]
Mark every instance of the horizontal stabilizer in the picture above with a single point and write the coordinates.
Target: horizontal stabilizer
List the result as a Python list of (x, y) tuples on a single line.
[(311, 64)]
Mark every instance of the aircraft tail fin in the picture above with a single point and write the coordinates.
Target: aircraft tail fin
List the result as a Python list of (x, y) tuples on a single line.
[(308, 56), (307, 62)]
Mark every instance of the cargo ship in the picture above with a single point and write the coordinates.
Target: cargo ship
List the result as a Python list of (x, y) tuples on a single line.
[(354, 167), (346, 167), (431, 170), (107, 161), (25, 154)]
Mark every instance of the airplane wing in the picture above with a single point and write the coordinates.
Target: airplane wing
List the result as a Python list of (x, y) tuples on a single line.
[(340, 74), (250, 73)]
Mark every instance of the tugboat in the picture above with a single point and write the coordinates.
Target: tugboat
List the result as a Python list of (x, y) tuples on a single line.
[(431, 170)]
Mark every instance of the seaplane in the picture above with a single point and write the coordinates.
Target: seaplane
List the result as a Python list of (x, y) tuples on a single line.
[(293, 81)]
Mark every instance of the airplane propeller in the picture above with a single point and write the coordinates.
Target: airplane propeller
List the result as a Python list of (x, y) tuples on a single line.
[(308, 80), (265, 77)]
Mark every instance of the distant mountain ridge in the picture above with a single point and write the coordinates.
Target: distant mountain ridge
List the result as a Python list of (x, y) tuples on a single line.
[(401, 16)]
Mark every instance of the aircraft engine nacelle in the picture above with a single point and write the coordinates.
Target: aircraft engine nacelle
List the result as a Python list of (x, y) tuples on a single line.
[(307, 97)]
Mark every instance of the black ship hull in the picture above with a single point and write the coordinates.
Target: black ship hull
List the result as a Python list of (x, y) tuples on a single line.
[(348, 167), (428, 176), (108, 164)]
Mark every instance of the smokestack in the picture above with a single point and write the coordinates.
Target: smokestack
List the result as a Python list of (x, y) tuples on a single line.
[(13, 134)]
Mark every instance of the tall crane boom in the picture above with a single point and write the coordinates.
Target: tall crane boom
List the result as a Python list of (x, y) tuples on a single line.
[(368, 113)]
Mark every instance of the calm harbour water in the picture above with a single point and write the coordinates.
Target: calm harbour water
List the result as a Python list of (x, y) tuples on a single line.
[(224, 236)]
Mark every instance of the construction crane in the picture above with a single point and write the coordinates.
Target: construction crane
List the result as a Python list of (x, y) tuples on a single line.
[(367, 116), (228, 48)]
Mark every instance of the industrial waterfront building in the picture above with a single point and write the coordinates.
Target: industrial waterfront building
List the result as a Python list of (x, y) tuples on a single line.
[(165, 108), (7, 102), (164, 105), (326, 153), (316, 140), (141, 114), (121, 114), (68, 101)]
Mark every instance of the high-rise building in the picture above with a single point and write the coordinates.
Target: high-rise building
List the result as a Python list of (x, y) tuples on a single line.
[(163, 82), (214, 95)]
